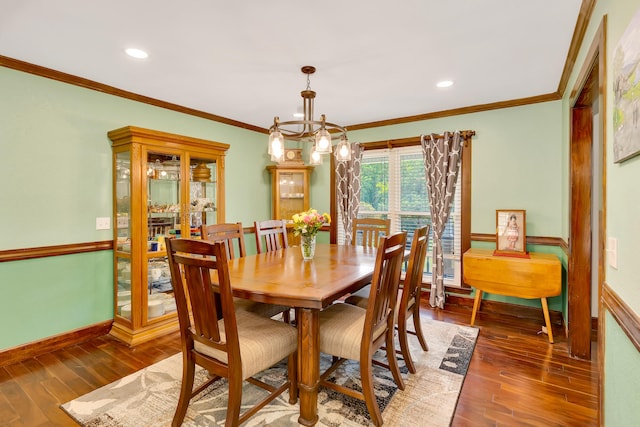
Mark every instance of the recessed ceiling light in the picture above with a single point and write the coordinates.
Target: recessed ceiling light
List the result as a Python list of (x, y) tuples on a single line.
[(445, 83), (136, 53)]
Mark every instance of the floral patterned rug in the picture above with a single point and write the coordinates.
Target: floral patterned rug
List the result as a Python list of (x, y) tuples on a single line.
[(149, 397)]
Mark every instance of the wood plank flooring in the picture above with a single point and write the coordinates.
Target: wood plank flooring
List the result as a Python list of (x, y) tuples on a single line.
[(516, 378)]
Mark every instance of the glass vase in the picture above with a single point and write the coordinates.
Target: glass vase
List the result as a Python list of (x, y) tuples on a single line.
[(308, 246)]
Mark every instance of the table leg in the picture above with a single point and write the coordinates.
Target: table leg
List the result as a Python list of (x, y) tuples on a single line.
[(308, 364), (547, 320), (476, 305)]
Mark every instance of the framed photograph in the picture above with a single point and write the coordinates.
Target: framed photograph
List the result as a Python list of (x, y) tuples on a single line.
[(511, 231)]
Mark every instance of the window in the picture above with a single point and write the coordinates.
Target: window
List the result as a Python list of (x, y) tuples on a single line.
[(393, 185)]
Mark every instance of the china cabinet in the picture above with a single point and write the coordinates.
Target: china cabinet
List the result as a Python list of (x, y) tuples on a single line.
[(290, 192), (164, 185)]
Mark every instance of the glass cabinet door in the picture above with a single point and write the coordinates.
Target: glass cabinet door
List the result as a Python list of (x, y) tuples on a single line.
[(123, 201), (163, 199), (164, 214), (290, 190), (122, 226), (202, 194), (292, 193), (177, 206)]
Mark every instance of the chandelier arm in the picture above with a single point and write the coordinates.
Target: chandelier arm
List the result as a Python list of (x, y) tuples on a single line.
[(310, 128), (333, 126), (296, 136), (327, 125)]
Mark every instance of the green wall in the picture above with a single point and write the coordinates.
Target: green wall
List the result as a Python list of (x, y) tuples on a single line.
[(56, 179), (623, 198), (621, 359), (515, 163), (622, 377), (55, 136), (47, 296)]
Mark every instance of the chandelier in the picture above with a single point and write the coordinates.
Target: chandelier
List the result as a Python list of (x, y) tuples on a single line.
[(318, 132)]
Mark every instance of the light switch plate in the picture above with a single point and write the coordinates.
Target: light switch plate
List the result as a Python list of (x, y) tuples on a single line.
[(612, 252), (103, 223)]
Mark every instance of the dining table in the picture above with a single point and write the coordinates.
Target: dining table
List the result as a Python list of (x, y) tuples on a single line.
[(283, 277)]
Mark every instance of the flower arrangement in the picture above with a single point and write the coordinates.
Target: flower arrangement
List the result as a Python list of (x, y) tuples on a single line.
[(308, 223)]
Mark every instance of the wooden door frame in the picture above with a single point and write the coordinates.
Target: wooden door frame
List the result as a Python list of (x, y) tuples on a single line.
[(589, 86)]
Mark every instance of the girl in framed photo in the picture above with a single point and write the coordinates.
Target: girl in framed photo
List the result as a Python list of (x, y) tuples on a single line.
[(512, 232)]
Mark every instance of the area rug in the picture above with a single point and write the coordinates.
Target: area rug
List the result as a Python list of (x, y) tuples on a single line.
[(149, 397)]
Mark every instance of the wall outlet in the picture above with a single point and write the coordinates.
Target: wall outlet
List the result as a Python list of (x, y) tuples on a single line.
[(103, 223)]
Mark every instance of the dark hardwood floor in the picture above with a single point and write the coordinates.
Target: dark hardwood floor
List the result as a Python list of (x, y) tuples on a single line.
[(516, 378)]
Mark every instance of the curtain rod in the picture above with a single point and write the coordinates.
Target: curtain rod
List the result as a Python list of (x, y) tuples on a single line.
[(407, 142)]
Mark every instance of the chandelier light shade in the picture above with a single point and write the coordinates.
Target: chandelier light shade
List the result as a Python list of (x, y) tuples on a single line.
[(276, 145), (343, 149), (323, 140), (320, 132), (315, 158)]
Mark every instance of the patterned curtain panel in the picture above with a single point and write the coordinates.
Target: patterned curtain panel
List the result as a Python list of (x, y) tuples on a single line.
[(348, 189), (442, 163)]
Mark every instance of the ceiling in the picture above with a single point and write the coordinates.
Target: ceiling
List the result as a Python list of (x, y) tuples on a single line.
[(376, 60)]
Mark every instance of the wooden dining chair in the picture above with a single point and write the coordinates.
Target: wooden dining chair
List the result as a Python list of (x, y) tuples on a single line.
[(351, 332), (273, 232), (230, 344), (367, 231), (232, 235), (408, 303), (159, 226), (271, 235)]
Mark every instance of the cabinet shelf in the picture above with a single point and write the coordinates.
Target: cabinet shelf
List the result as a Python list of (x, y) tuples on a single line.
[(177, 180)]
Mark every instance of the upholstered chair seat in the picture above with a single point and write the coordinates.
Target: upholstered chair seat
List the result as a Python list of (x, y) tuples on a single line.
[(260, 308), (263, 342), (341, 327)]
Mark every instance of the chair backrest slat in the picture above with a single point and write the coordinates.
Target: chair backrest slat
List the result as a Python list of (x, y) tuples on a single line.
[(271, 235), (367, 231)]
